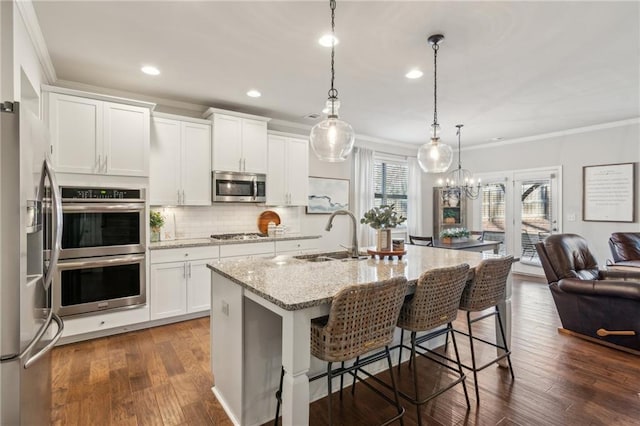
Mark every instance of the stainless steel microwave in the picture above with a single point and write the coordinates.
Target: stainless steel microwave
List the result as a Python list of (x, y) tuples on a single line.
[(234, 187)]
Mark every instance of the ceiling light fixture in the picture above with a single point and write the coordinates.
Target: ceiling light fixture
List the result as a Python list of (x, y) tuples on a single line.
[(254, 93), (328, 40), (332, 139), (435, 157), (150, 70), (413, 74), (460, 181)]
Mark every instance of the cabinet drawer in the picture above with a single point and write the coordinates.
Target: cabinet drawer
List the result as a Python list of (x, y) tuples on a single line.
[(295, 246), (247, 249), (104, 321), (180, 254)]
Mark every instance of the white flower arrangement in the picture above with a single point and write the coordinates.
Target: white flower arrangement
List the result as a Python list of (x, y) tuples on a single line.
[(455, 233)]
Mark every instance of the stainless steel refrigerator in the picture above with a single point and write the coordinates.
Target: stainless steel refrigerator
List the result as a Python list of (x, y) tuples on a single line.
[(29, 196)]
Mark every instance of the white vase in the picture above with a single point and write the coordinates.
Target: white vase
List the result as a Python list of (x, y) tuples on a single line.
[(383, 240)]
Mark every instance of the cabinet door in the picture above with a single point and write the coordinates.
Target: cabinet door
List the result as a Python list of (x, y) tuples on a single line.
[(76, 133), (196, 164), (254, 145), (198, 286), (168, 288), (164, 167), (227, 143), (126, 140), (276, 171), (298, 172)]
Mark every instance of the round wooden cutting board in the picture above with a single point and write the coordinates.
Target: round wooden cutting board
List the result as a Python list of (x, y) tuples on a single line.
[(264, 219)]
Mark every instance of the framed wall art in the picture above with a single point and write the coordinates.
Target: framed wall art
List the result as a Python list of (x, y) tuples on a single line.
[(608, 193), (326, 195)]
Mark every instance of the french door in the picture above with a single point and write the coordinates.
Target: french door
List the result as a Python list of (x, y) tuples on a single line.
[(520, 208)]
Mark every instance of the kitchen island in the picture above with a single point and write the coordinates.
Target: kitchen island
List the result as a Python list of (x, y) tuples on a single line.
[(261, 311)]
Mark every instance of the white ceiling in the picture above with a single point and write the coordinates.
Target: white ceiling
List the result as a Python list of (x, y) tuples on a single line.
[(505, 69)]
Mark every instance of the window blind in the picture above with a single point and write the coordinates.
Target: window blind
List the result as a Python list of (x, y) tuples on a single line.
[(390, 182)]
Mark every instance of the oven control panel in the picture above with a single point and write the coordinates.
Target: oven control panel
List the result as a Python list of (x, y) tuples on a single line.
[(71, 193)]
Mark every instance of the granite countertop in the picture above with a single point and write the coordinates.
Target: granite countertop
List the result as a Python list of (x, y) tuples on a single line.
[(296, 284), (199, 242)]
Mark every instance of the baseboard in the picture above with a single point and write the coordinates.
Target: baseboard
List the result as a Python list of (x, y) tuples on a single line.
[(598, 341)]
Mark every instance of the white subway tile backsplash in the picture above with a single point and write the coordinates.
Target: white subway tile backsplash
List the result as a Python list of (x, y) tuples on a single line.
[(198, 222)]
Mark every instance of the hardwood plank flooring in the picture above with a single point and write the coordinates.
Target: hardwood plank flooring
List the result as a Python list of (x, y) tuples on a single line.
[(161, 376)]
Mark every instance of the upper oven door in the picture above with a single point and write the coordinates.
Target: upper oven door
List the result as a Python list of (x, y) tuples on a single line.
[(102, 229)]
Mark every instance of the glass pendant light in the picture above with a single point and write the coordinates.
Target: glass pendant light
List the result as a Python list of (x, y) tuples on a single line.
[(332, 139), (435, 157)]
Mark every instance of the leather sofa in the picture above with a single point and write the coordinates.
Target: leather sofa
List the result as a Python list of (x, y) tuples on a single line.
[(625, 249), (602, 305)]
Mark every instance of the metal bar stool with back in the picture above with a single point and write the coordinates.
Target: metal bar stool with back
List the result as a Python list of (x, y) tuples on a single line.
[(362, 319)]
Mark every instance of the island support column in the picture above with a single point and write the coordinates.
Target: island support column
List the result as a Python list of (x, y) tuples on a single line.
[(296, 353)]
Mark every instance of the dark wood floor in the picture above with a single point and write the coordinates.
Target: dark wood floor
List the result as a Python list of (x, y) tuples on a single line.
[(161, 376)]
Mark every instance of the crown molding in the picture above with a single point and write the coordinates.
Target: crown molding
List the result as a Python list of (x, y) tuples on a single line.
[(561, 133), (30, 19)]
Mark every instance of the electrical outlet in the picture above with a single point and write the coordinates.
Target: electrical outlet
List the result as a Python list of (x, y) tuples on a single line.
[(225, 308), (571, 217)]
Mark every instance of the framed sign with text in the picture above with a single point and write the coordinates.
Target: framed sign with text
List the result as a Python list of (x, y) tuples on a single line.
[(608, 193)]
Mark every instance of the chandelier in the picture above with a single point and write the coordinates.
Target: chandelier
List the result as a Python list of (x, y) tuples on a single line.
[(332, 139), (435, 157), (459, 180)]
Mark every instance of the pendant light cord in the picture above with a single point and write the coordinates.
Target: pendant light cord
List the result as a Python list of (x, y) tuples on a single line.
[(459, 126), (333, 93), (435, 47)]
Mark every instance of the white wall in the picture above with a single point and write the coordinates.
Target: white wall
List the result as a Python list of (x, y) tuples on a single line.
[(572, 150)]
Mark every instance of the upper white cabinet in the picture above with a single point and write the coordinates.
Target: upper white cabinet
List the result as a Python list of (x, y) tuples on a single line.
[(288, 171), (239, 141), (97, 136), (180, 171)]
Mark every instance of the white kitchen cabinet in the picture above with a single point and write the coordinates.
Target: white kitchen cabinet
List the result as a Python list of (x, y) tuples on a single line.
[(294, 247), (94, 136), (180, 281), (288, 171), (180, 169), (239, 142)]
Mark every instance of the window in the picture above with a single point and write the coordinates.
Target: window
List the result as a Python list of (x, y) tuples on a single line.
[(391, 179)]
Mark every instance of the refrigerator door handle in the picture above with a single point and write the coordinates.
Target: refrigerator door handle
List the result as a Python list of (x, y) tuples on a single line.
[(56, 225), (34, 341), (49, 345)]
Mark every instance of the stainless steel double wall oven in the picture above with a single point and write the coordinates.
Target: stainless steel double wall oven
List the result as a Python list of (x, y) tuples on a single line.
[(102, 261)]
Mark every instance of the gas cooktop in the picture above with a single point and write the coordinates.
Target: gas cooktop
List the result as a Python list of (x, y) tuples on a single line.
[(239, 236)]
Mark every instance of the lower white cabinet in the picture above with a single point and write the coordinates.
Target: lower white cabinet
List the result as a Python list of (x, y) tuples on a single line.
[(76, 325), (180, 282)]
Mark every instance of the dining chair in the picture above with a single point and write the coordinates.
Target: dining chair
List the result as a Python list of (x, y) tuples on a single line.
[(421, 241)]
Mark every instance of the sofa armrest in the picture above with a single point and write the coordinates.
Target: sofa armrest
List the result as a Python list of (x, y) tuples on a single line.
[(622, 289), (620, 274)]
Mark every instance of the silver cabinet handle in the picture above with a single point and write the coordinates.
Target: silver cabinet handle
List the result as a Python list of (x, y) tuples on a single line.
[(98, 166), (183, 198), (184, 270), (189, 269), (49, 345)]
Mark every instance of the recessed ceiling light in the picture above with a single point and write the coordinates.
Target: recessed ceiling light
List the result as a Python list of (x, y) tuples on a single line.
[(150, 70), (328, 40), (414, 74), (254, 93)]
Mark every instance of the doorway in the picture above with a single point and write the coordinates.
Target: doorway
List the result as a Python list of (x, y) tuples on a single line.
[(519, 208)]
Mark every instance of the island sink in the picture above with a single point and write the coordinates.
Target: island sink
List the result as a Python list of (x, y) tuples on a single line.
[(325, 257)]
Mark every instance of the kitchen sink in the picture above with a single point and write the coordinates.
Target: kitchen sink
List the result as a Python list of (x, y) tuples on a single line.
[(327, 257)]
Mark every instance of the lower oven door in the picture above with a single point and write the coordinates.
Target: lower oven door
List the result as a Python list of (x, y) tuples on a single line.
[(99, 283)]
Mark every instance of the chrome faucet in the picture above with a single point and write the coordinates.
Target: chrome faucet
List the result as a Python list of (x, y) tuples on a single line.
[(355, 251)]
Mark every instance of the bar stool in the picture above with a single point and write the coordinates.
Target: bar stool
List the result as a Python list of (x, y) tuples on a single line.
[(362, 319), (487, 289), (434, 304)]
